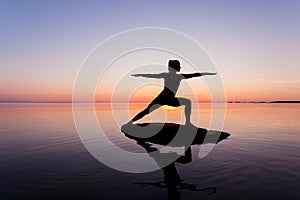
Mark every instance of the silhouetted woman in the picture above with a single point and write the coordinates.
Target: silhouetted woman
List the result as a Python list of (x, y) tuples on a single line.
[(167, 95)]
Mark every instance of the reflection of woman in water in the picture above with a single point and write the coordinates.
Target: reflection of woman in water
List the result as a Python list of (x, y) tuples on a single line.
[(167, 95)]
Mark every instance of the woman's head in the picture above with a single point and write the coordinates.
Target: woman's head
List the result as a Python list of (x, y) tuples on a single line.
[(174, 64)]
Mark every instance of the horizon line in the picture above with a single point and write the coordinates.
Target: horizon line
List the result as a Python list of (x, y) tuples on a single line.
[(133, 102)]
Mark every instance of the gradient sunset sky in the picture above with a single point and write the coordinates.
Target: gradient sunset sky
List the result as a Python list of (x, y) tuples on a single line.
[(254, 44)]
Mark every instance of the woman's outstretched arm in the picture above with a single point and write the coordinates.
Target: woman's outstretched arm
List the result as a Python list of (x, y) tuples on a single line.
[(161, 75), (187, 76)]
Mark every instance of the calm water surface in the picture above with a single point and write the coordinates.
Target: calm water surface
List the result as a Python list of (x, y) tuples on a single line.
[(42, 157)]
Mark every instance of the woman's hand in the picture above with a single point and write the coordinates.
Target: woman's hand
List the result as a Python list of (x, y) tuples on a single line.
[(208, 73)]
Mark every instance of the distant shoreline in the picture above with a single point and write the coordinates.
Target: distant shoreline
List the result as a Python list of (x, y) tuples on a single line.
[(285, 102), (263, 102)]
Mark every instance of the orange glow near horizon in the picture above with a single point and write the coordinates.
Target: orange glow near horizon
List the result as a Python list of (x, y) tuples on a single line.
[(166, 107), (243, 92), (36, 94), (61, 96)]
